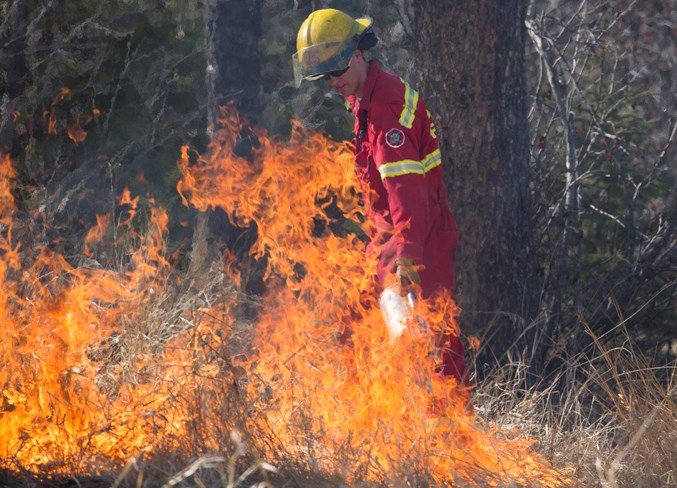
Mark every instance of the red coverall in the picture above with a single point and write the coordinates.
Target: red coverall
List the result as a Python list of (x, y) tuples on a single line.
[(399, 165)]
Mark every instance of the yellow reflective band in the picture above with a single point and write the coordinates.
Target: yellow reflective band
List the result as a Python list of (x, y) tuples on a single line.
[(433, 131), (410, 101), (432, 160), (399, 168), (409, 166)]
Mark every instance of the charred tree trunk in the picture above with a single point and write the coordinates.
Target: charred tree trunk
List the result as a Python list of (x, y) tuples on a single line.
[(233, 35), (471, 56), (233, 30)]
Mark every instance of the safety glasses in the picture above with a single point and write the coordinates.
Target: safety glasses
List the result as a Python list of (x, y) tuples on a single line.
[(335, 74)]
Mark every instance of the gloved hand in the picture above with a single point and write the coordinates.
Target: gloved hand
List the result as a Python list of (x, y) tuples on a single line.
[(407, 275)]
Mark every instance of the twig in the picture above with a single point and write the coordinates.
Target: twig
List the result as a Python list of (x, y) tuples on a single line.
[(203, 462)]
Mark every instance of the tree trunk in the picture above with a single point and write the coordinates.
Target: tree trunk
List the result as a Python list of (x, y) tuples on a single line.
[(233, 30), (471, 59), (233, 35)]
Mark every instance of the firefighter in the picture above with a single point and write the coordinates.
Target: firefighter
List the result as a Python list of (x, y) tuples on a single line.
[(397, 160)]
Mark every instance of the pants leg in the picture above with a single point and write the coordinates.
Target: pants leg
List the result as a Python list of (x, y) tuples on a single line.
[(453, 359)]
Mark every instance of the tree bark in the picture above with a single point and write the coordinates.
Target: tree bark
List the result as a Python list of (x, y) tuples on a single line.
[(233, 35), (233, 30), (472, 69)]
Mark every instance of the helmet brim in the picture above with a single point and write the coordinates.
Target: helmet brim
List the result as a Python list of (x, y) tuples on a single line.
[(313, 62)]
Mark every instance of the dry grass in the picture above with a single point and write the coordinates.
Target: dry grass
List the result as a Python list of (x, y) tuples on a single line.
[(607, 418)]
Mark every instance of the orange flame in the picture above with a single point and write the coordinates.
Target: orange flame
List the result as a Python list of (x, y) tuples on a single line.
[(73, 400), (7, 175), (366, 404), (63, 94), (10, 259), (130, 204), (64, 407), (96, 234), (76, 133)]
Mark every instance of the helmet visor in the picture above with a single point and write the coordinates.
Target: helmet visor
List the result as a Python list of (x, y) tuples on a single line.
[(313, 62)]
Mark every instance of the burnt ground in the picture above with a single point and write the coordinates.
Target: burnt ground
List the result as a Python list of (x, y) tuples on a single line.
[(28, 480)]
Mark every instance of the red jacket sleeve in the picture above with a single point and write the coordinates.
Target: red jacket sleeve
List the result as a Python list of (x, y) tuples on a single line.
[(397, 156)]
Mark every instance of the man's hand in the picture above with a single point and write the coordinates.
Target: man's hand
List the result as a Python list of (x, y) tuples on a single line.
[(407, 275)]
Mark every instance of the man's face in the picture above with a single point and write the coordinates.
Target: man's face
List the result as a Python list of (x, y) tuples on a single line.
[(347, 83)]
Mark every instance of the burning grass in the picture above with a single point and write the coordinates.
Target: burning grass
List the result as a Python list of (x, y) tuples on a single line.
[(124, 374)]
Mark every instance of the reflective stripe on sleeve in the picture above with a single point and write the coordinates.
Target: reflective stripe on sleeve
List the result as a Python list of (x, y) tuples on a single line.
[(410, 101), (398, 168), (409, 166), (432, 160)]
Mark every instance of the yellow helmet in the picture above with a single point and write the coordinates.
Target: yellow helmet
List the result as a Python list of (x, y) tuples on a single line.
[(326, 42)]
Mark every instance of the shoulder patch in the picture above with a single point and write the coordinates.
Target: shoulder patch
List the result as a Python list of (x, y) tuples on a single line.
[(395, 138)]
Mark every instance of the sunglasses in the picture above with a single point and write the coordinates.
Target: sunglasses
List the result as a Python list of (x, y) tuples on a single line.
[(335, 74)]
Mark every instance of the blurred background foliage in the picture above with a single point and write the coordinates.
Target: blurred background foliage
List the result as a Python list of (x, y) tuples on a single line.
[(97, 96), (108, 94), (615, 64)]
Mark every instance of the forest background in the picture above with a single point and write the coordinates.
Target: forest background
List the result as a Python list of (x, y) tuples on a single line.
[(99, 96)]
